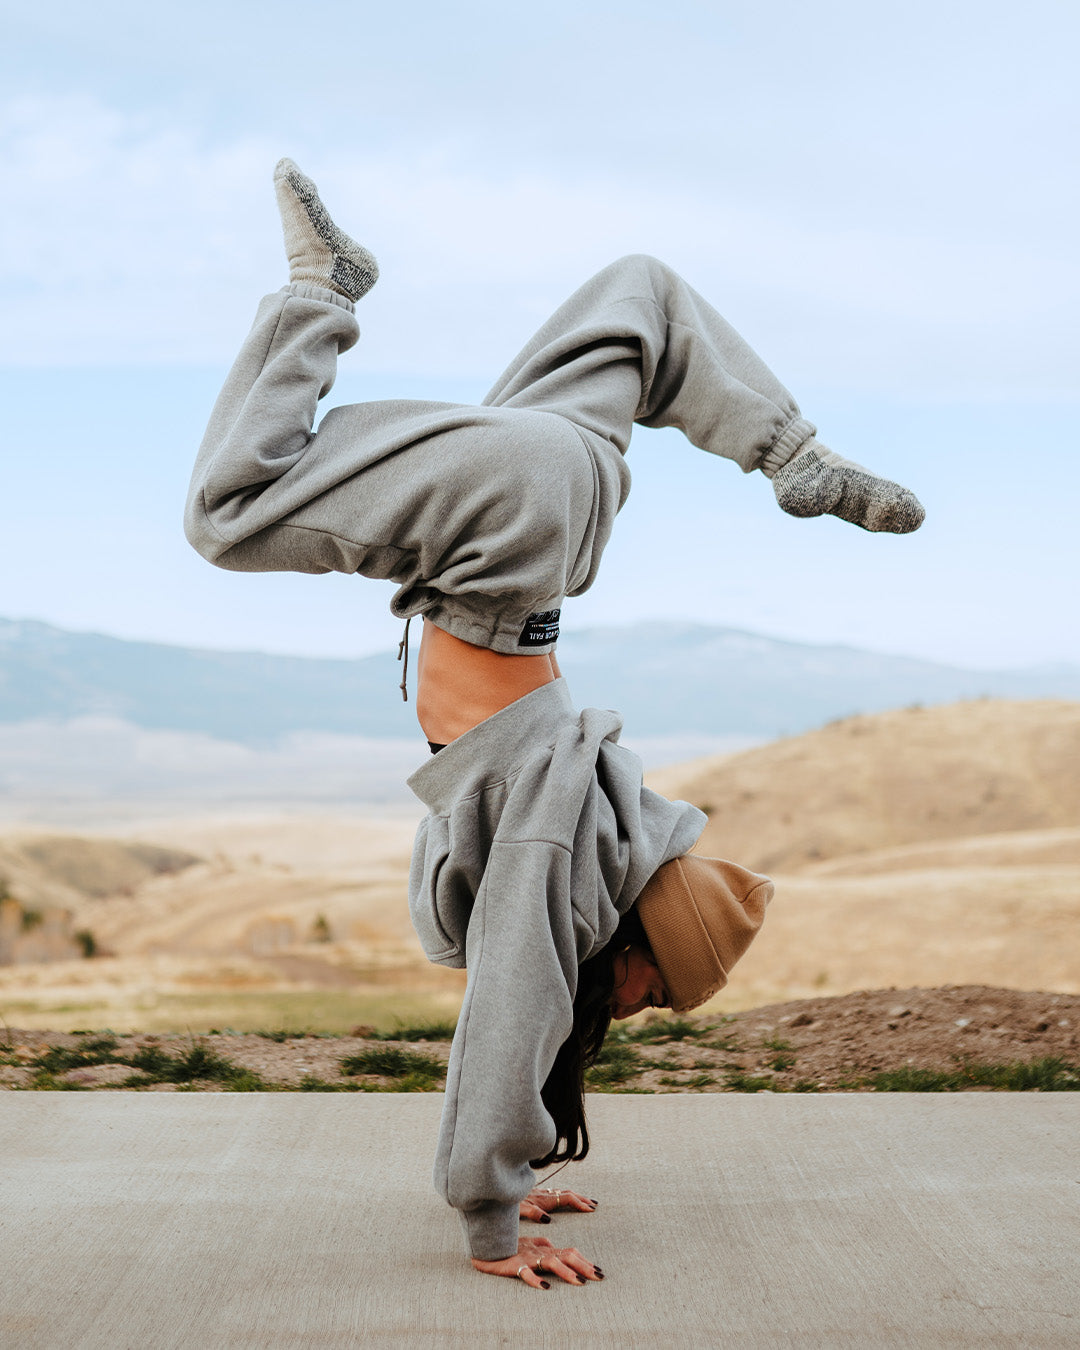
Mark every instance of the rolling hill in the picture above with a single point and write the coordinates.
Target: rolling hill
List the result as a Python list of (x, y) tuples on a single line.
[(920, 847)]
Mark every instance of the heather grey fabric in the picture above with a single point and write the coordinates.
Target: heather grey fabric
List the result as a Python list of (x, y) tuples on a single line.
[(539, 836), (488, 515)]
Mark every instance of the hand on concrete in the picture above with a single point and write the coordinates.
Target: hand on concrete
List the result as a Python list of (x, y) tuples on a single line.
[(537, 1257), (542, 1201)]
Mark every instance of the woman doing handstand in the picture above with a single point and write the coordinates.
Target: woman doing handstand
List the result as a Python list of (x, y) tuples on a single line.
[(567, 890)]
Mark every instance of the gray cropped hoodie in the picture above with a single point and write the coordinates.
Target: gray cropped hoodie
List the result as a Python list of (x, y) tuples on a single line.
[(540, 835)]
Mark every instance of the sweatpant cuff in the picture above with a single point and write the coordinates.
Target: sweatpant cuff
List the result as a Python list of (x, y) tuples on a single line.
[(790, 441), (307, 290)]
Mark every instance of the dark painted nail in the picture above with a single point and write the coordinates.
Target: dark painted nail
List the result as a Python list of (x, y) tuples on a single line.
[(544, 1284), (544, 1218)]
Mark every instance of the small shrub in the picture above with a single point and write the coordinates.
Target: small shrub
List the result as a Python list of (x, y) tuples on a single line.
[(87, 942)]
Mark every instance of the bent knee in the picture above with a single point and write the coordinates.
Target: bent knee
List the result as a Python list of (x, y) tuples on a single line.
[(642, 265), (199, 531)]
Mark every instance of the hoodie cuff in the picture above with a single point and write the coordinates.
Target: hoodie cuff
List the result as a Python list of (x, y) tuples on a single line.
[(491, 1231)]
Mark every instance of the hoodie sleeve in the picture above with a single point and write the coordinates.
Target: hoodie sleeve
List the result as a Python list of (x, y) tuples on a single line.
[(518, 1010)]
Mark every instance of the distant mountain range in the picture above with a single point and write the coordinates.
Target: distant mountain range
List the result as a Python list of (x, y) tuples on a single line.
[(665, 678)]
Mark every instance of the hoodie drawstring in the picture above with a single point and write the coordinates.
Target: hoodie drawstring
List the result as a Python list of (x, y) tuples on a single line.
[(403, 656), (403, 646)]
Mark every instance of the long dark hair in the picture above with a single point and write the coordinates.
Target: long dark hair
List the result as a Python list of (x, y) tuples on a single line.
[(563, 1093)]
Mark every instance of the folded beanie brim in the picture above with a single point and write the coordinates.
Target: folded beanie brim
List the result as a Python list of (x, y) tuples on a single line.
[(700, 915)]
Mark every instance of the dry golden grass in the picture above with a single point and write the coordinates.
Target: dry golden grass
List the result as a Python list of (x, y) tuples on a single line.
[(906, 777), (920, 847)]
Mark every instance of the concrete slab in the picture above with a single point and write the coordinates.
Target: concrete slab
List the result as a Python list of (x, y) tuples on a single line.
[(154, 1221)]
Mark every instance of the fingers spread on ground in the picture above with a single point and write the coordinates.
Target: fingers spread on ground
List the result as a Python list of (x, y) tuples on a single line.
[(554, 1266), (582, 1203), (584, 1267)]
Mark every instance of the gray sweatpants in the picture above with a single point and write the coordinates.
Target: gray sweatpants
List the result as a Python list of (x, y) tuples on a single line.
[(487, 516)]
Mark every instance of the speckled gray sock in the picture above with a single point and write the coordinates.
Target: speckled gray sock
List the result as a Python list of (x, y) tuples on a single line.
[(817, 482), (318, 251)]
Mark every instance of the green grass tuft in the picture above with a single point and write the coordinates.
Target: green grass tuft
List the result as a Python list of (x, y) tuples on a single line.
[(426, 1031), (660, 1029), (58, 1058), (737, 1080), (309, 1083), (415, 1072), (783, 1053), (47, 1082), (1041, 1075), (197, 1065), (614, 1064), (697, 1080)]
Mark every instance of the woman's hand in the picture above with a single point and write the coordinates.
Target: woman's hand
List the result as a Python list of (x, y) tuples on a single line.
[(541, 1202), (537, 1257)]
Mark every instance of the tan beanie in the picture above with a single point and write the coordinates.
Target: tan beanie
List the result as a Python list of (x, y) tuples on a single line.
[(700, 915)]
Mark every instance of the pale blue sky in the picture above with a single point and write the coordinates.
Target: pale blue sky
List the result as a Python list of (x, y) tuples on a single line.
[(884, 203)]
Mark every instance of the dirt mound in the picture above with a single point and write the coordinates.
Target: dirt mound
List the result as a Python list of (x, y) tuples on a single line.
[(836, 1040), (888, 780)]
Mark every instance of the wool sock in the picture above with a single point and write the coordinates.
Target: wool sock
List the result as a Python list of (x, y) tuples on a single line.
[(318, 251), (817, 482)]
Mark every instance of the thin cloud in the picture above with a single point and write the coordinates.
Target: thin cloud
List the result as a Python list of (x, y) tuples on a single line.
[(156, 242)]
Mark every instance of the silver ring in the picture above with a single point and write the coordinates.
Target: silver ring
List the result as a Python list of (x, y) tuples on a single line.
[(519, 1270)]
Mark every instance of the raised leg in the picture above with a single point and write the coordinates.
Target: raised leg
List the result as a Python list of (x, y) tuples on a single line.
[(319, 252), (637, 344)]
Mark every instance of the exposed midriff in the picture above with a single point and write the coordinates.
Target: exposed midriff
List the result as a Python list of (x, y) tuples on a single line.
[(459, 685)]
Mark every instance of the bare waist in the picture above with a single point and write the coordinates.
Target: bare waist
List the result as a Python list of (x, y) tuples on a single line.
[(459, 685)]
